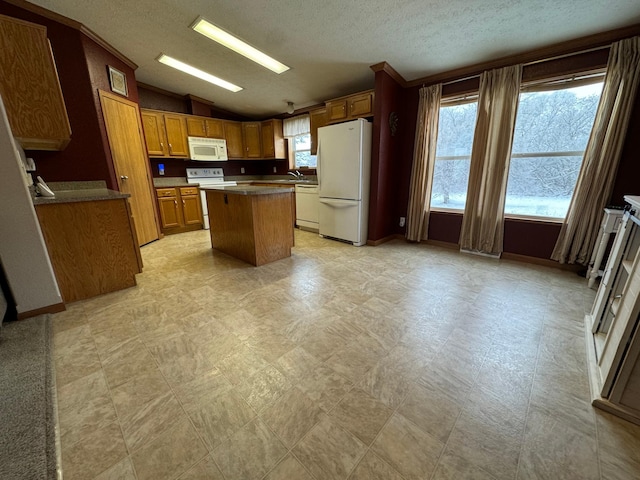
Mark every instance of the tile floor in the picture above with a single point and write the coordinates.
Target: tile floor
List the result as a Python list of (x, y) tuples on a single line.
[(393, 362)]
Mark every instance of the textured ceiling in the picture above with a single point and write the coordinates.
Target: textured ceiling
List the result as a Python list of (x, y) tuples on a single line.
[(330, 44)]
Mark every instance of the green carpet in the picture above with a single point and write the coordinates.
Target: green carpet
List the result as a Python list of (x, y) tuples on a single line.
[(27, 401)]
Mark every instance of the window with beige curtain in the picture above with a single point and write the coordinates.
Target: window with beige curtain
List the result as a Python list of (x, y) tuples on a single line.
[(483, 220), (424, 154), (597, 175)]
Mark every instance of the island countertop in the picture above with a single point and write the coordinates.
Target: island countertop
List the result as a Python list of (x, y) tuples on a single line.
[(248, 189)]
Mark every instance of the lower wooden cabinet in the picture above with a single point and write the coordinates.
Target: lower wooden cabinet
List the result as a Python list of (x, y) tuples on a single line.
[(180, 209)]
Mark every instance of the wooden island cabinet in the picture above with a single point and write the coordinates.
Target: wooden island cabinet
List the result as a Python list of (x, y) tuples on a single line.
[(251, 223)]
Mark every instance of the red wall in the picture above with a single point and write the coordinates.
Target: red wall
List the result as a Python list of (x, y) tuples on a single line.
[(82, 69)]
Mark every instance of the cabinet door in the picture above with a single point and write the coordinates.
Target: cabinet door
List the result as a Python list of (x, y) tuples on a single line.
[(317, 118), (361, 105), (196, 127), (169, 212), (272, 139), (214, 128), (233, 135), (252, 140), (336, 110), (176, 128), (30, 87), (153, 127), (191, 210)]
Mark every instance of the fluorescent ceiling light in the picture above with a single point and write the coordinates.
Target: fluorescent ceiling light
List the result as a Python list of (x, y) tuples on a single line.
[(218, 35), (183, 67)]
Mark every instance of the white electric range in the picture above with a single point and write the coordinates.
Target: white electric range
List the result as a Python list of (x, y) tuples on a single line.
[(207, 176)]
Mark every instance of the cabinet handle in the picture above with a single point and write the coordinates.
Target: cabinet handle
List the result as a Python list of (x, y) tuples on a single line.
[(124, 177), (170, 149), (161, 145), (183, 203), (176, 202)]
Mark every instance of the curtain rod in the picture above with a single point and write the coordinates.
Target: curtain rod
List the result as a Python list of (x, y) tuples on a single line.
[(533, 62)]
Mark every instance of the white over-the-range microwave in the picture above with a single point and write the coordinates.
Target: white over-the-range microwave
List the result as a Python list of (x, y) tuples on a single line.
[(207, 149)]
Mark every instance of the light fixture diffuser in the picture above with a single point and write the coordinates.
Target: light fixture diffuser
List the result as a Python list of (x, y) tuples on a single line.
[(224, 38), (196, 72)]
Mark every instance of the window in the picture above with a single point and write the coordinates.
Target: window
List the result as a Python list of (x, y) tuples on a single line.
[(301, 146), (552, 128), (453, 155), (297, 130)]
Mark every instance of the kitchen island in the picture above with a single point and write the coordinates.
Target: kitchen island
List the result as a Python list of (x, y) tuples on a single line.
[(251, 223)]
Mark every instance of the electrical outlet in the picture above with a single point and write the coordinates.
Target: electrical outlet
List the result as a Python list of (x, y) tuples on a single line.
[(275, 170), (241, 169), (402, 220)]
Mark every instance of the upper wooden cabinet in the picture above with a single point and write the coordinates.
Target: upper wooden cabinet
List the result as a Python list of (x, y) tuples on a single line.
[(176, 128), (30, 87), (153, 127), (272, 139), (349, 108), (204, 127), (252, 139), (317, 119), (165, 134), (233, 135)]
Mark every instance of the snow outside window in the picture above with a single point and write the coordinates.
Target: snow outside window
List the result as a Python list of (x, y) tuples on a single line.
[(551, 134), (456, 124)]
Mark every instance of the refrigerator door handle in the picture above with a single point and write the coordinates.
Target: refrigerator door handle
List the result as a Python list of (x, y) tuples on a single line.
[(338, 203)]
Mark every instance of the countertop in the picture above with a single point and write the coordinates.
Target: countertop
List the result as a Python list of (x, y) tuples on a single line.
[(169, 182), (83, 191), (248, 189), (80, 195)]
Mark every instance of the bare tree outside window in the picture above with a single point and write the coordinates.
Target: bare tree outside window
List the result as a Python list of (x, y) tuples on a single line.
[(551, 133), (453, 153)]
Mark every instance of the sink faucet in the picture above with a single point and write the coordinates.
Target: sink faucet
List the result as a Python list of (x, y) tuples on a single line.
[(294, 175), (297, 175)]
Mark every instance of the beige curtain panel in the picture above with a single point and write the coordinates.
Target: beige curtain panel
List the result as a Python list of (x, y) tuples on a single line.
[(483, 221), (424, 157), (602, 155)]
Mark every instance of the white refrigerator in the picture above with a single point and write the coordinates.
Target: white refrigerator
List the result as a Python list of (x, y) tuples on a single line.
[(344, 168), (23, 251)]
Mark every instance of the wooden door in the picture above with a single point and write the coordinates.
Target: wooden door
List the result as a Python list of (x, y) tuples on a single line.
[(361, 105), (169, 212), (233, 134), (195, 127), (268, 144), (252, 140), (336, 110), (191, 209), (124, 131), (154, 134), (214, 128), (176, 128), (317, 119)]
